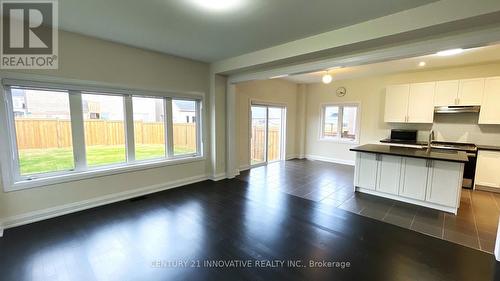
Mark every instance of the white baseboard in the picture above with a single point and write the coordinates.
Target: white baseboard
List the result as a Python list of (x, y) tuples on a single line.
[(331, 160), (244, 168), (497, 245), (218, 177), (1, 231), (48, 213), (486, 187), (291, 156)]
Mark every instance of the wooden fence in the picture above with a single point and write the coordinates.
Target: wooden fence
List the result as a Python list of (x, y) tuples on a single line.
[(49, 133), (258, 143)]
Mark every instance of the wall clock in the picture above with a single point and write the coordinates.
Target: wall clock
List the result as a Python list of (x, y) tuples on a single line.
[(341, 91)]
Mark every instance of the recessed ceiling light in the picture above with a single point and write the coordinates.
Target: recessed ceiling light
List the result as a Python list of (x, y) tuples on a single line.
[(278, 76), (218, 5), (422, 63), (450, 52)]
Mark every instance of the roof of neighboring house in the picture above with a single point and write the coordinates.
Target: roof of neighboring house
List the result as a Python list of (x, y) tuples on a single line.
[(184, 105)]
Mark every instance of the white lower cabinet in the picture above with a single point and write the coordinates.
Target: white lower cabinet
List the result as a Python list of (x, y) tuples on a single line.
[(414, 178), (487, 172), (444, 177), (430, 183), (366, 170), (389, 171)]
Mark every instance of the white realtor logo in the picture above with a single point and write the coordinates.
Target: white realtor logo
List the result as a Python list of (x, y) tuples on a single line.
[(17, 28), (29, 34)]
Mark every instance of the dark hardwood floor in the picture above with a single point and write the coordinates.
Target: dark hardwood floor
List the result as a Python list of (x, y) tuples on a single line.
[(331, 184), (230, 220)]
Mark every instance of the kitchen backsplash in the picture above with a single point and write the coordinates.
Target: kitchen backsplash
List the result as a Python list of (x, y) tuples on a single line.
[(461, 127)]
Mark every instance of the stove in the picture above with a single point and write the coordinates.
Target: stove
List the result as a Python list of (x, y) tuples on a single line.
[(467, 147)]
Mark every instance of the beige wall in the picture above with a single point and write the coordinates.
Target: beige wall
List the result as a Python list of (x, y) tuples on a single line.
[(370, 92), (272, 91), (90, 59)]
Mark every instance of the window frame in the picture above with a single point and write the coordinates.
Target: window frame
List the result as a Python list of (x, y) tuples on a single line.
[(13, 180), (198, 109), (340, 119)]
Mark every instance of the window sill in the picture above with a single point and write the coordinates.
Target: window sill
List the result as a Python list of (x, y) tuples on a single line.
[(340, 141), (101, 172)]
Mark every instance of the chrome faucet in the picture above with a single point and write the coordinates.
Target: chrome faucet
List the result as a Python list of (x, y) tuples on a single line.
[(431, 138)]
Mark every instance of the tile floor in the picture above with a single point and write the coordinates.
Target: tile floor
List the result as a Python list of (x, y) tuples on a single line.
[(331, 185)]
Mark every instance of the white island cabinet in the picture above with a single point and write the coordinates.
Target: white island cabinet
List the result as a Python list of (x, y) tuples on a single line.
[(426, 182)]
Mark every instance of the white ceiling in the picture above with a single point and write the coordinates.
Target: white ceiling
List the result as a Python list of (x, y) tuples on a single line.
[(471, 56), (185, 28)]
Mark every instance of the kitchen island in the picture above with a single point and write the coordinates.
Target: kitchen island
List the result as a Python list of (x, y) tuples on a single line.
[(431, 179)]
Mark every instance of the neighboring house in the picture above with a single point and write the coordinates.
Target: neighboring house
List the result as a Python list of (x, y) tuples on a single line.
[(39, 104), (183, 111), (19, 103), (143, 112), (42, 104)]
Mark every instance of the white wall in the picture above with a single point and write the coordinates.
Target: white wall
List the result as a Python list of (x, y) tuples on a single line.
[(90, 59), (272, 91), (370, 92)]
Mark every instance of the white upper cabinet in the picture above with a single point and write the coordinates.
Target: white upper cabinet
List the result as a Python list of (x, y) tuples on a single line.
[(421, 103), (396, 103), (410, 103), (459, 92), (470, 91), (446, 93), (490, 108)]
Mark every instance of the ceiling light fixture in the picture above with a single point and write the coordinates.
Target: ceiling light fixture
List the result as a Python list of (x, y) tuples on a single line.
[(450, 52), (327, 78), (422, 64), (218, 5)]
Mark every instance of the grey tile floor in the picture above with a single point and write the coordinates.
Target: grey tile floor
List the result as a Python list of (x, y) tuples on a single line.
[(331, 185)]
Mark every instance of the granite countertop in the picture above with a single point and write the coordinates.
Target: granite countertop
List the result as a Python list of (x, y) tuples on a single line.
[(488, 147), (434, 154)]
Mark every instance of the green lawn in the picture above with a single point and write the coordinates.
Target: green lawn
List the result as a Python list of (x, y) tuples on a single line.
[(33, 161)]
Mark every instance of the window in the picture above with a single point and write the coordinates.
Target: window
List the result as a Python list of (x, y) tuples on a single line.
[(149, 128), (58, 133), (331, 121), (104, 125), (185, 134), (43, 131), (340, 122)]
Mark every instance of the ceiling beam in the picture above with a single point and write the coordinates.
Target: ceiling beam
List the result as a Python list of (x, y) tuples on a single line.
[(421, 22)]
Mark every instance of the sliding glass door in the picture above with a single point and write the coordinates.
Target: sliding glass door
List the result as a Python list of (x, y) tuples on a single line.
[(267, 134)]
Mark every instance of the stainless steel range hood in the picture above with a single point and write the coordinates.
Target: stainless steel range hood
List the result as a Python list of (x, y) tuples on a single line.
[(457, 109)]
